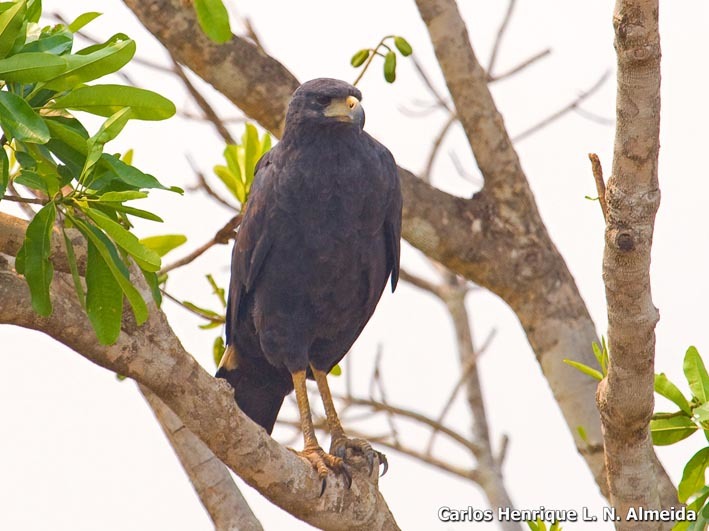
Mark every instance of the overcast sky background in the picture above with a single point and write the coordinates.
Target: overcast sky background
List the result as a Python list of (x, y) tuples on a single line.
[(82, 451)]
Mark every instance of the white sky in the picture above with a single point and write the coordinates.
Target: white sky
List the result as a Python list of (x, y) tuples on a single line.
[(81, 451)]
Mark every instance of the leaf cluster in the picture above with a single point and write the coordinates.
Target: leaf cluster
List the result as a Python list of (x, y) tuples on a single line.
[(365, 56), (241, 161), (48, 150)]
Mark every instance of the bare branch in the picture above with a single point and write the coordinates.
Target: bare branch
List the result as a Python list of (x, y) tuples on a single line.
[(209, 477), (524, 64), (222, 236), (564, 110), (203, 104), (500, 35), (600, 183), (26, 200), (426, 175)]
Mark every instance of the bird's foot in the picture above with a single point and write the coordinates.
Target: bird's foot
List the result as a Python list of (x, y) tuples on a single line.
[(357, 448), (323, 462)]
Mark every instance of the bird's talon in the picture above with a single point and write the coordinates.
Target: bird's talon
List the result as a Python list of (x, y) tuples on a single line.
[(323, 463), (383, 461)]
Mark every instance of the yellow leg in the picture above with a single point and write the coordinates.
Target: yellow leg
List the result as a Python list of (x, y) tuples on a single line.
[(340, 443), (321, 461)]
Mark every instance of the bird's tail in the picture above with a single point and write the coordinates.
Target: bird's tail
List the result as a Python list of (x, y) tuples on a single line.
[(259, 388)]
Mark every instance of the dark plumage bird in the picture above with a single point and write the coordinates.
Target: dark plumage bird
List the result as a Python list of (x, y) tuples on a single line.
[(318, 242)]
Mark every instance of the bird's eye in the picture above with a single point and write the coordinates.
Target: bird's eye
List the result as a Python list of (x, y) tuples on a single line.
[(323, 100)]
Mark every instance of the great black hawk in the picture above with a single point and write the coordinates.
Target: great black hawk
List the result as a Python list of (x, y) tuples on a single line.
[(319, 239)]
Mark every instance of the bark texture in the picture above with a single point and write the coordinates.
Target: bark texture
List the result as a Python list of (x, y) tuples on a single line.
[(153, 356), (496, 239), (209, 477), (625, 397)]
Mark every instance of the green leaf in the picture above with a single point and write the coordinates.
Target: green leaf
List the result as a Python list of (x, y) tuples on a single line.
[(219, 292), (232, 182), (46, 182), (252, 152), (154, 283), (36, 249), (4, 172), (696, 374), (390, 67), (218, 350), (106, 100), (56, 40), (137, 212), (107, 132), (73, 266), (671, 430), (127, 195), (664, 387), (20, 121), (104, 60), (82, 20), (104, 298), (589, 371), (126, 174), (146, 258), (693, 476), (163, 244), (31, 67), (403, 46), (11, 21), (204, 312), (702, 412), (118, 269), (213, 19), (336, 370), (34, 10), (360, 57)]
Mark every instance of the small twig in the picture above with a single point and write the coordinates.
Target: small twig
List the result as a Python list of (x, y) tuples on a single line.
[(251, 33), (561, 112), (418, 417), (420, 283), (195, 311), (204, 185), (25, 207), (500, 35), (429, 84), (458, 165), (222, 236), (593, 117), (26, 200), (203, 104), (600, 183), (468, 366), (426, 175), (524, 64), (379, 382)]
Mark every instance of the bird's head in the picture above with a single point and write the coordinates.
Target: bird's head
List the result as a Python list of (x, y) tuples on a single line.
[(326, 101)]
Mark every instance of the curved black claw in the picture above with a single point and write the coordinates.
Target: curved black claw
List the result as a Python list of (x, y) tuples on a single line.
[(340, 446), (383, 461), (322, 463)]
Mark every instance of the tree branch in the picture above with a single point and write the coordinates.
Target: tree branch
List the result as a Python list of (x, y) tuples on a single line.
[(153, 356), (626, 396), (209, 477)]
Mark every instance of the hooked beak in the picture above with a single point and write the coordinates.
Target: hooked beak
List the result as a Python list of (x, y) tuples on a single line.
[(346, 110)]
